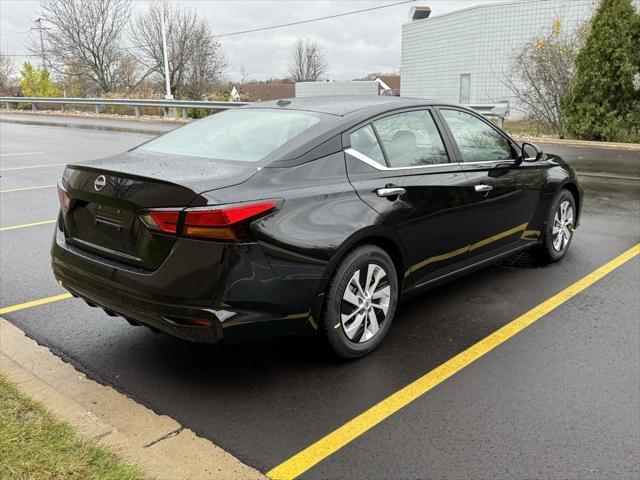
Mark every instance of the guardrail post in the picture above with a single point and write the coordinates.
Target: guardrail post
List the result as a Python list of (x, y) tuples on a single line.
[(97, 109), (34, 107), (7, 105), (137, 110), (501, 122), (62, 108), (185, 113)]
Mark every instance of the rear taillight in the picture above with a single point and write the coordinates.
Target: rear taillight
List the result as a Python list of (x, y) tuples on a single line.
[(217, 223), (165, 221), (65, 199), (227, 223)]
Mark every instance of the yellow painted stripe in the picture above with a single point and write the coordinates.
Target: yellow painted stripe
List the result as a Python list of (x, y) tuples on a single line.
[(34, 303), (26, 188), (310, 456), (34, 224)]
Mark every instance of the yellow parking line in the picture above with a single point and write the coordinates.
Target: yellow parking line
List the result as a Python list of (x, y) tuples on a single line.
[(25, 225), (26, 188), (310, 456), (34, 303)]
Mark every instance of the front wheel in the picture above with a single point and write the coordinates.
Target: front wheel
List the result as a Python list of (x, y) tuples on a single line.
[(361, 302), (559, 229)]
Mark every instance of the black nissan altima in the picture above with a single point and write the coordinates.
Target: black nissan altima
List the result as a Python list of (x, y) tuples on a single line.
[(308, 215)]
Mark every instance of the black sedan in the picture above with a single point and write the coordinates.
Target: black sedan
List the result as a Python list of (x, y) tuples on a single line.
[(309, 215)]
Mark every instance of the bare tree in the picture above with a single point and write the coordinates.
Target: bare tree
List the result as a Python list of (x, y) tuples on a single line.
[(6, 70), (196, 61), (86, 34), (542, 74), (307, 61)]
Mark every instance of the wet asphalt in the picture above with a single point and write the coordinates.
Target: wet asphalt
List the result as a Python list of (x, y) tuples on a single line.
[(559, 400)]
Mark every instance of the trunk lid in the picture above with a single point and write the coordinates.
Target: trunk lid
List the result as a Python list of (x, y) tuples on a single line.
[(107, 195)]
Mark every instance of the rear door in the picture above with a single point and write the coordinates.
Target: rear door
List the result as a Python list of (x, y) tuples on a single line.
[(399, 165), (506, 192)]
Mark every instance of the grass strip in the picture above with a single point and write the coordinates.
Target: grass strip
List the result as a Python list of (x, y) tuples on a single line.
[(34, 445)]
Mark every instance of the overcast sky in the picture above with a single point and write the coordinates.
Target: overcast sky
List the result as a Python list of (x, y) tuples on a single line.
[(354, 45)]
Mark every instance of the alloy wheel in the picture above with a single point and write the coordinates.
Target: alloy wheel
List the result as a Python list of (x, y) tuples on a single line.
[(562, 227), (365, 303)]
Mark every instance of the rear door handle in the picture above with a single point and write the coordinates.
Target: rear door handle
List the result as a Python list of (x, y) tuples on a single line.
[(483, 187), (390, 191)]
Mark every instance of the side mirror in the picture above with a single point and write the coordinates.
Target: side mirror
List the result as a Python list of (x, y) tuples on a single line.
[(531, 152)]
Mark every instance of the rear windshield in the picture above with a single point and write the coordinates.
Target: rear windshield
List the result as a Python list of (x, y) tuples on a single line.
[(246, 135)]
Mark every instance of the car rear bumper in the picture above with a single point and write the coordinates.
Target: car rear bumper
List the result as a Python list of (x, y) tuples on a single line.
[(203, 292)]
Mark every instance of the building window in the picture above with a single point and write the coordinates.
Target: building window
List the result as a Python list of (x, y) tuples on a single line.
[(465, 88)]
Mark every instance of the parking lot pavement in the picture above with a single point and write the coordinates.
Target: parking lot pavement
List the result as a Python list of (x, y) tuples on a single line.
[(558, 400)]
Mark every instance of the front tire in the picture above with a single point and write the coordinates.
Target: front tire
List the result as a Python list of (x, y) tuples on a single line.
[(559, 228), (361, 302)]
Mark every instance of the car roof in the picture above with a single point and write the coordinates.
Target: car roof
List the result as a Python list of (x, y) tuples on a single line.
[(344, 105)]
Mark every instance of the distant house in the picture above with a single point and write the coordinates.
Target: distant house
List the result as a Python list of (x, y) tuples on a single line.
[(261, 91), (389, 85), (346, 87)]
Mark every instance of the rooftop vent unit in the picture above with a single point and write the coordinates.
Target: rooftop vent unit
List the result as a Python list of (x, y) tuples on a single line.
[(419, 13)]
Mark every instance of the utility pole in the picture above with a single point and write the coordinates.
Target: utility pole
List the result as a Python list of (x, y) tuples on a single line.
[(40, 28), (168, 96)]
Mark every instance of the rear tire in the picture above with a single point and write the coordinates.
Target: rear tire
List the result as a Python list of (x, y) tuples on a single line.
[(361, 302), (559, 228)]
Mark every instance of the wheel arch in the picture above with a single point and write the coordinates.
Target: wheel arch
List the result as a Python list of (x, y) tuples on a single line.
[(573, 189), (384, 238)]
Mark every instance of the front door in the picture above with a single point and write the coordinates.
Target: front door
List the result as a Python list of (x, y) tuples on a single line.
[(399, 165), (506, 191)]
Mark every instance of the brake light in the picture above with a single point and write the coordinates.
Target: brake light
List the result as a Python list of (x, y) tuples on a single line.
[(218, 223), (165, 221), (226, 223), (65, 199)]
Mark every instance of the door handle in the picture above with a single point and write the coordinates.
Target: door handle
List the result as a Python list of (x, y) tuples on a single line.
[(390, 191), (483, 187)]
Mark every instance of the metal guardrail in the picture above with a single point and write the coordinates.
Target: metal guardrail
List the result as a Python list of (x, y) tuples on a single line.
[(135, 103), (499, 110)]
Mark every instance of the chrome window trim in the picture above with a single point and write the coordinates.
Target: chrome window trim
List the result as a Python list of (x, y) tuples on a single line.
[(371, 162), (509, 161)]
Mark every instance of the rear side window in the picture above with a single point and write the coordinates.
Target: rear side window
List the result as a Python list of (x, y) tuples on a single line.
[(237, 135), (477, 141), (364, 141), (411, 139)]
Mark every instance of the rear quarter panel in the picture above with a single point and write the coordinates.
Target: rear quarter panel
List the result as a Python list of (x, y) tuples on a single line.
[(320, 213)]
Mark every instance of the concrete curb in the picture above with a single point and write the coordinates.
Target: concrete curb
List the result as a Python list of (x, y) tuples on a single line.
[(119, 118), (579, 143), (158, 444), (145, 128)]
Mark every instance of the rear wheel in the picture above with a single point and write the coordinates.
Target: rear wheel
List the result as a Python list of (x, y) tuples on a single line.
[(559, 229), (361, 302)]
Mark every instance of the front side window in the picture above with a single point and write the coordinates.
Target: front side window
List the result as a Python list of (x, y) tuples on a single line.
[(411, 139), (477, 141), (364, 141), (246, 135)]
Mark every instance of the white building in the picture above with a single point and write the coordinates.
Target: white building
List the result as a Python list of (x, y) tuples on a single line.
[(464, 56)]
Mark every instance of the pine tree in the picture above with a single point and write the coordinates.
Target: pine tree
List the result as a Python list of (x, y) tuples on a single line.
[(604, 103)]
